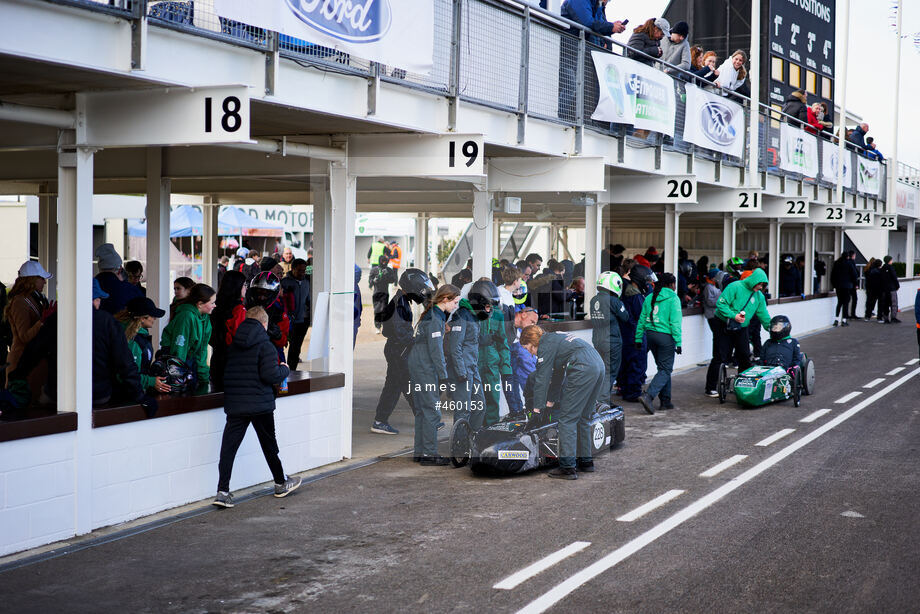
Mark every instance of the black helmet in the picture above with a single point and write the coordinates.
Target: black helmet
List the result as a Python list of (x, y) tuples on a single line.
[(481, 294), (780, 328), (176, 373), (263, 290), (643, 277), (687, 269), (417, 285)]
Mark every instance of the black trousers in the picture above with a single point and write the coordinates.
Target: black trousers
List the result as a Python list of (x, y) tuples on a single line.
[(721, 352), (295, 342), (843, 303), (234, 430), (740, 342), (754, 330), (396, 383), (884, 306), (871, 299), (854, 298)]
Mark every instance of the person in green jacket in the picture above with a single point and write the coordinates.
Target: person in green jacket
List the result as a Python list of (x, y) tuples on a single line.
[(136, 318), (494, 354), (187, 334), (738, 303), (661, 320)]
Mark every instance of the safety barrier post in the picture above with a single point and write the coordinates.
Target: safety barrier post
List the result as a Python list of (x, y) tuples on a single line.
[(523, 79), (453, 86), (580, 92)]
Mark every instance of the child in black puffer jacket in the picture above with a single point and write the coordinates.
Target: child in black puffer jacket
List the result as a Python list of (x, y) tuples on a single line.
[(252, 372)]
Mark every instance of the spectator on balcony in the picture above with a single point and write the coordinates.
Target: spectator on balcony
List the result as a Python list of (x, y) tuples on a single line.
[(816, 122), (592, 15), (645, 42), (732, 75), (707, 70), (675, 49), (696, 57), (871, 152), (796, 106), (858, 135)]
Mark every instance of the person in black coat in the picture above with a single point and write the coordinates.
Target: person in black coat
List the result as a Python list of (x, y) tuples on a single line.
[(646, 41), (789, 278), (797, 106), (888, 303), (843, 280), (251, 374), (115, 373)]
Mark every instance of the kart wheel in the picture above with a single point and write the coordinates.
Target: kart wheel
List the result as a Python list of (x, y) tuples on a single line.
[(461, 439), (808, 376), (723, 383), (796, 392)]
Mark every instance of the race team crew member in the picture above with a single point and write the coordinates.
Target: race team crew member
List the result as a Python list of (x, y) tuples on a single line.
[(428, 370), (461, 350), (661, 321), (607, 311), (739, 302), (584, 371), (494, 356), (635, 358)]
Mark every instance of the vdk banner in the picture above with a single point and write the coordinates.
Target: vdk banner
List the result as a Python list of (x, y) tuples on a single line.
[(798, 151), (868, 175), (714, 122), (633, 93), (830, 153), (398, 33)]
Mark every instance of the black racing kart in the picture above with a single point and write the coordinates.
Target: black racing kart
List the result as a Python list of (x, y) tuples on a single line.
[(520, 443)]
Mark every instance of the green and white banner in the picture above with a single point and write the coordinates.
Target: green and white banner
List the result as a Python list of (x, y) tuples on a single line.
[(831, 153), (868, 176), (714, 122), (798, 151), (633, 93)]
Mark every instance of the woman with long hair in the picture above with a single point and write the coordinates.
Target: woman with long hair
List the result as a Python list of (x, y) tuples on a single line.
[(696, 57), (181, 288), (225, 319), (26, 311), (187, 335), (660, 320), (428, 370), (646, 41), (732, 73), (136, 318)]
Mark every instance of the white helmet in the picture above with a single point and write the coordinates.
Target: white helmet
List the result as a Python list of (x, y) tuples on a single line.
[(610, 281)]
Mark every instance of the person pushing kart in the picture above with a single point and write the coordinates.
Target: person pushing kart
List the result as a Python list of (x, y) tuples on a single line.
[(584, 380), (739, 302)]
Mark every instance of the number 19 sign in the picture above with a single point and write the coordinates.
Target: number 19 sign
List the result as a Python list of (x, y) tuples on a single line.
[(172, 116)]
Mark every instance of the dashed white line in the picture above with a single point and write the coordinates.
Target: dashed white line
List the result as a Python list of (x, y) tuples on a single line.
[(615, 557), (541, 565), (912, 361), (716, 470), (848, 397), (774, 437), (815, 416), (657, 502), (874, 382), (895, 371)]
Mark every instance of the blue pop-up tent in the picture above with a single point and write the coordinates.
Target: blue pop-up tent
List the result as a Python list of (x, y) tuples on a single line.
[(187, 221), (184, 221)]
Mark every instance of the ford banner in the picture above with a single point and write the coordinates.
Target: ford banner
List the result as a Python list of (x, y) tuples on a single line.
[(633, 93), (397, 33), (714, 122)]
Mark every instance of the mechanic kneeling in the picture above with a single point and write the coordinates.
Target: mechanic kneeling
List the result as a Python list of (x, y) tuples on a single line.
[(584, 380), (781, 350)]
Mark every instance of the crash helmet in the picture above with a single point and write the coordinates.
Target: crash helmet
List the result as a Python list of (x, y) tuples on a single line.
[(417, 285), (735, 265), (686, 268), (520, 295), (643, 277), (263, 290), (483, 293), (610, 281), (174, 371), (780, 328)]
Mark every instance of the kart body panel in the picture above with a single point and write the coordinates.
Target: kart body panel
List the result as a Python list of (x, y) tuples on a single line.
[(761, 385)]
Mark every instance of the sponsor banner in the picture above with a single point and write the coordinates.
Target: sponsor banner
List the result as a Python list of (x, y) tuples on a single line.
[(908, 200), (798, 151), (397, 33), (830, 154), (714, 122), (868, 176), (633, 93)]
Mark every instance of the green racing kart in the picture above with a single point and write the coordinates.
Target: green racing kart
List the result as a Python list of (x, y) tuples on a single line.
[(764, 384)]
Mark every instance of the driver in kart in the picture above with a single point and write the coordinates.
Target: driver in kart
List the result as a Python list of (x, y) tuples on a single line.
[(781, 350)]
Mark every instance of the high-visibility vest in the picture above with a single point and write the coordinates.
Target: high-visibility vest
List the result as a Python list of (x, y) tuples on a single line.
[(395, 256), (377, 250)]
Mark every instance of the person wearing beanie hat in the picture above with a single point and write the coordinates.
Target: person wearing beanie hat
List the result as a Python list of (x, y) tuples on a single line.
[(675, 49), (890, 287), (111, 280)]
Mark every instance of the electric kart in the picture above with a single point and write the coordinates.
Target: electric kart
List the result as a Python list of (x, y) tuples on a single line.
[(764, 384), (519, 443)]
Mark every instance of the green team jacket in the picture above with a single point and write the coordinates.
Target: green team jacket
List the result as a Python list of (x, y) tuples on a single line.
[(665, 317), (187, 336), (147, 381), (493, 344), (737, 297)]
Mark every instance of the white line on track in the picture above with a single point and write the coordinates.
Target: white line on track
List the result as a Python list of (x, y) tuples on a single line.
[(874, 382), (848, 397), (815, 416), (717, 469), (657, 502), (895, 371), (541, 565), (913, 361), (774, 437), (566, 587)]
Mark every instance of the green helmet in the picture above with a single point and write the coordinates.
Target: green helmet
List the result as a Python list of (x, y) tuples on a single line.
[(610, 281), (736, 265)]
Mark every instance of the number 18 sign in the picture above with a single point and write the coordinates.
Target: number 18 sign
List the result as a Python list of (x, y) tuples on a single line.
[(172, 116)]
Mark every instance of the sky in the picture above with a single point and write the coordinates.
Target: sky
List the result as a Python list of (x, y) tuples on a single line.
[(871, 74)]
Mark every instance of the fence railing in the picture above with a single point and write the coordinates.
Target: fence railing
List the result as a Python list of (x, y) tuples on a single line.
[(512, 56)]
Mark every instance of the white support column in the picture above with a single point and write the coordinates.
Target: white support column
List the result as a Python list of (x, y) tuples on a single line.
[(671, 234), (809, 272), (773, 286), (550, 242), (209, 241), (157, 268), (838, 242), (322, 240), (594, 228), (911, 247), (496, 238), (482, 234), (341, 207), (75, 316), (421, 241), (728, 237), (47, 237)]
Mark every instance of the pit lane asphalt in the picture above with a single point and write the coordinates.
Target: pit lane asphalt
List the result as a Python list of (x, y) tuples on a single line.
[(831, 528)]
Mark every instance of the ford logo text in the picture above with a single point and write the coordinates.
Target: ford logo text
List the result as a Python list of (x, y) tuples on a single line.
[(716, 121), (355, 21)]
